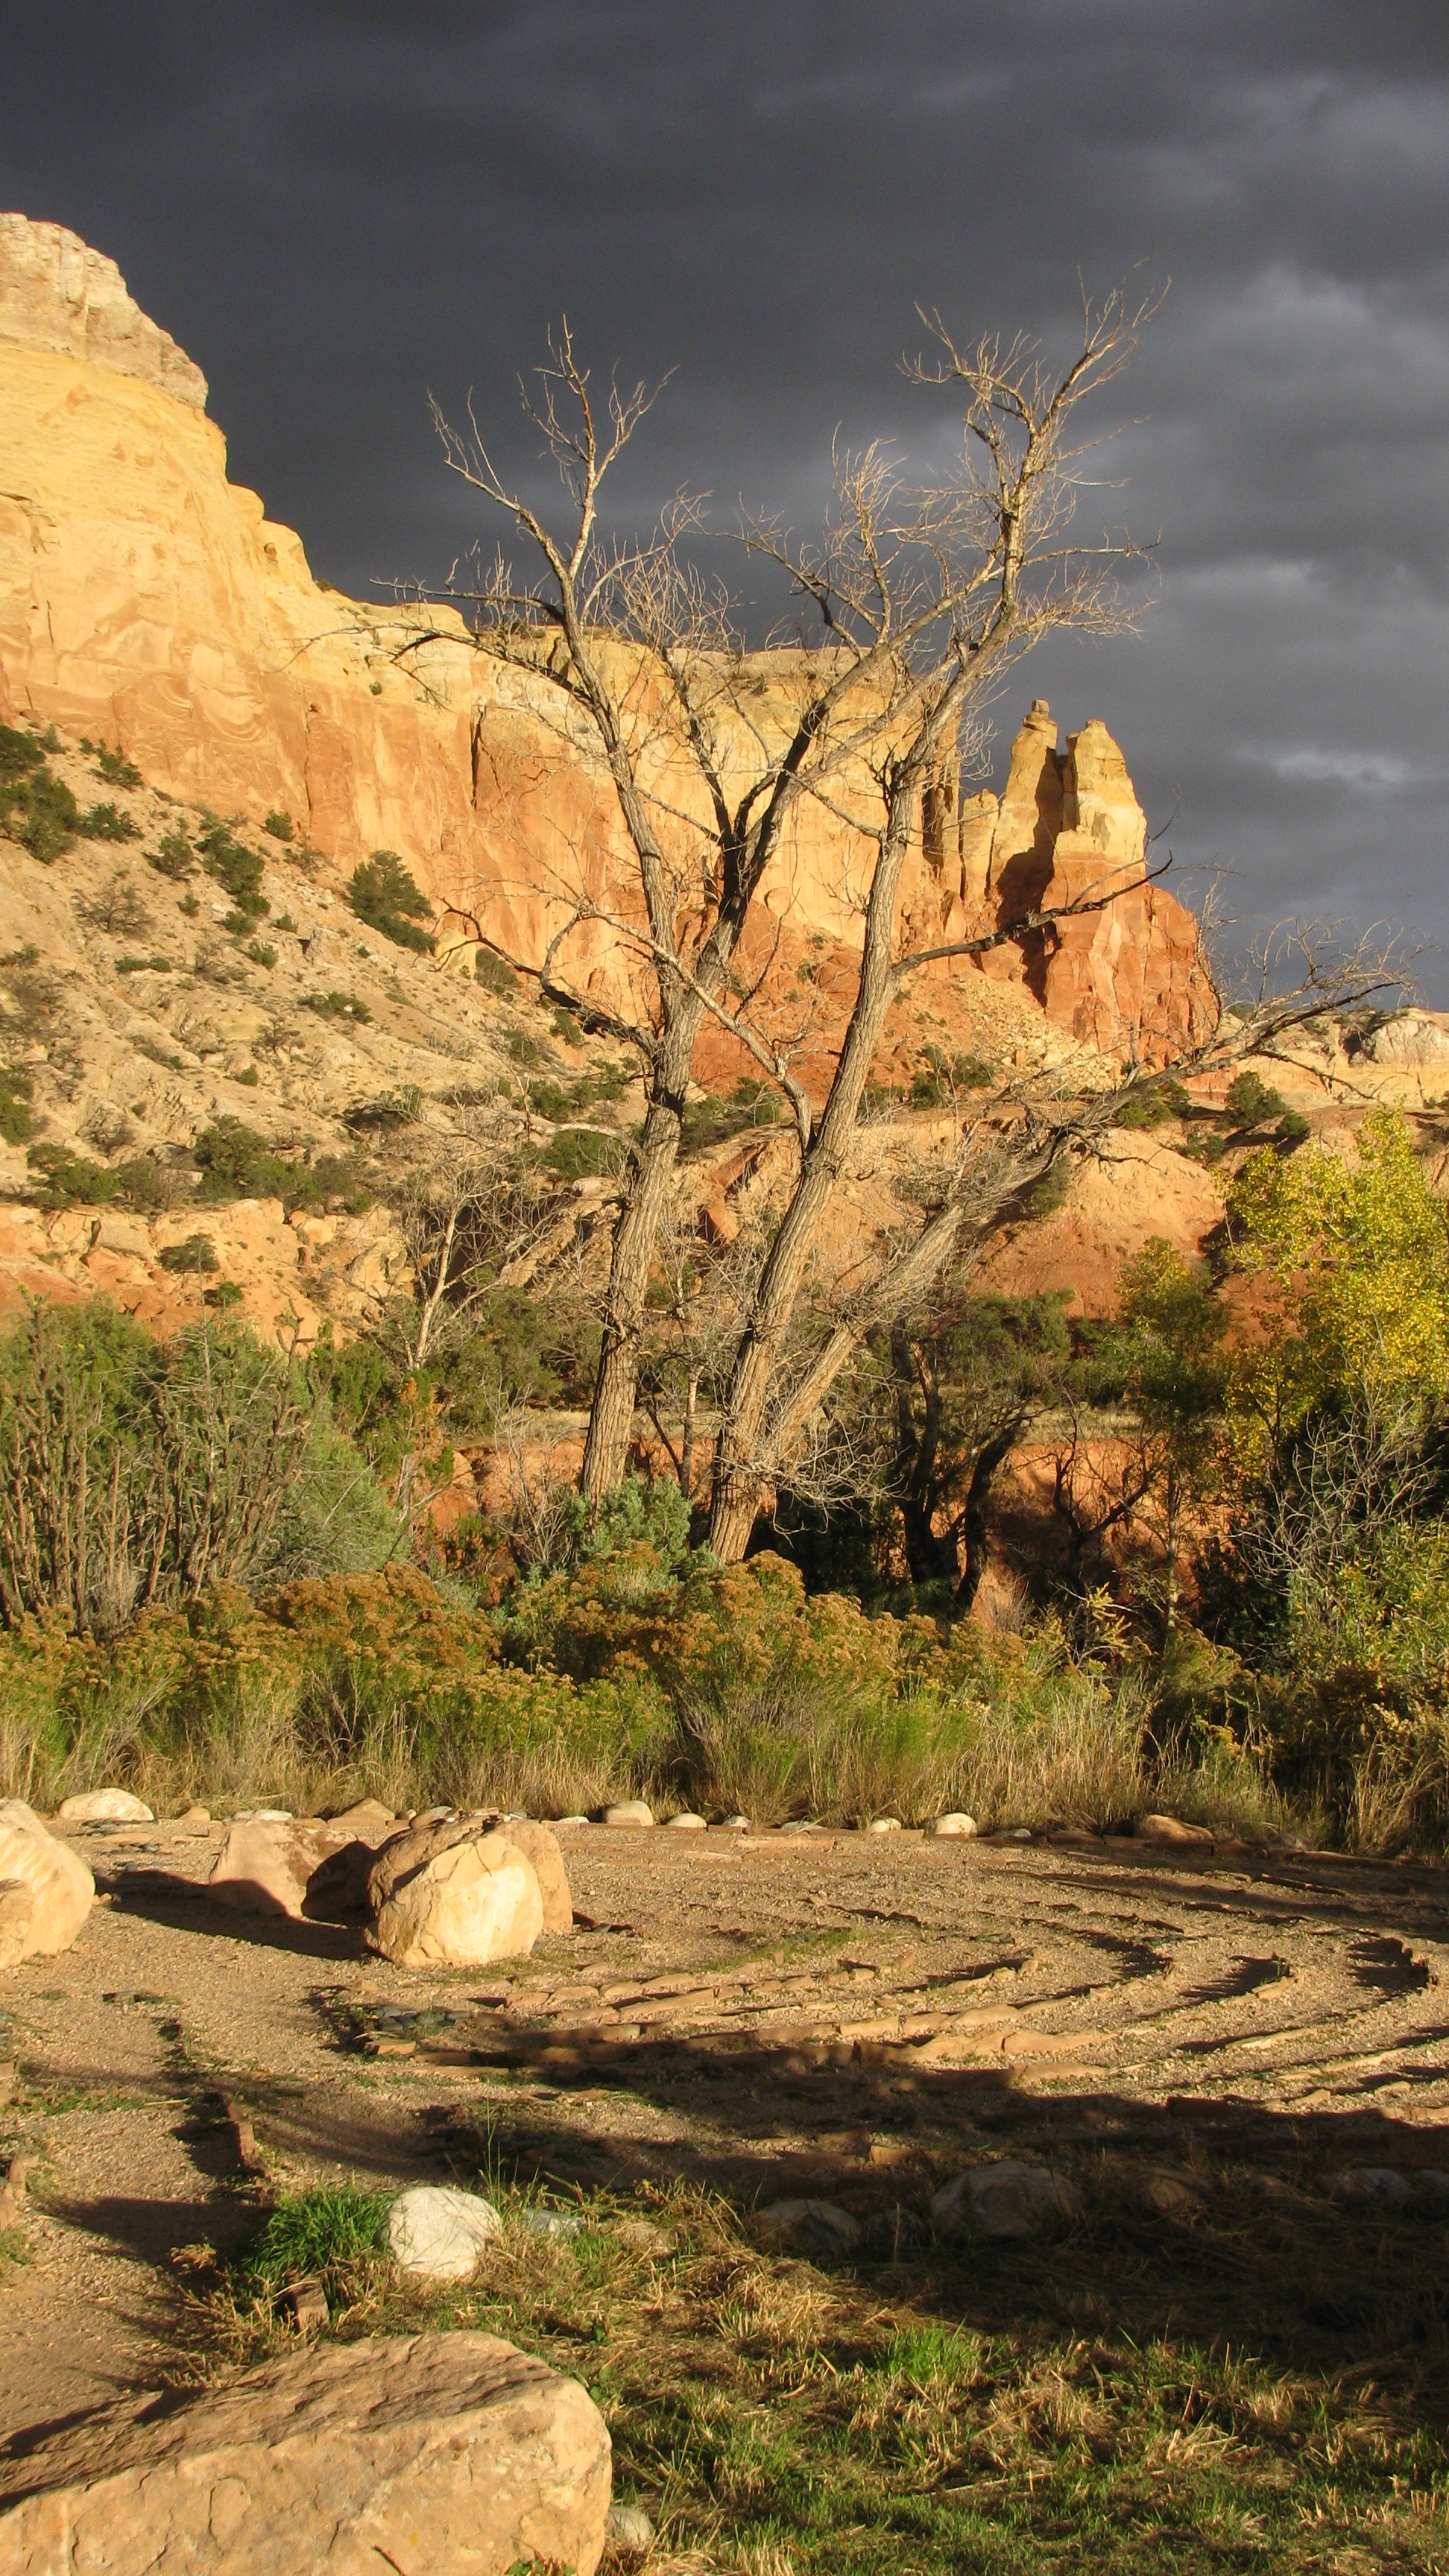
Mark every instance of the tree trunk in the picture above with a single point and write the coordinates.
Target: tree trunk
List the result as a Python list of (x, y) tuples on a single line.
[(973, 1517), (742, 1471), (918, 1448), (611, 1418)]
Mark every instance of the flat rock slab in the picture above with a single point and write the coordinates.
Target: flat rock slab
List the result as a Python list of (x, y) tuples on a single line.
[(413, 2452)]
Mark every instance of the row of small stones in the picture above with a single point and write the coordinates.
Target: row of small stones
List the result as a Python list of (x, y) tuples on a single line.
[(118, 1807)]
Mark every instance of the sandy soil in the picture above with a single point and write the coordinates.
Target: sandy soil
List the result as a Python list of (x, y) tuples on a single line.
[(850, 2015)]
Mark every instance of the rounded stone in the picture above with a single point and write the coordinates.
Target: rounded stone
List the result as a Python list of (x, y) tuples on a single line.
[(687, 1824), (629, 2528), (884, 1825), (438, 2233), (105, 1807), (818, 2223), (632, 1814), (961, 1825)]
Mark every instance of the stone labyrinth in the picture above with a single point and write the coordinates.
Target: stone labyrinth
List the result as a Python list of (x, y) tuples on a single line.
[(851, 2017)]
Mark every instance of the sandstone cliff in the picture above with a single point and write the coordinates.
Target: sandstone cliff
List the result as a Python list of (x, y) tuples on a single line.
[(146, 600)]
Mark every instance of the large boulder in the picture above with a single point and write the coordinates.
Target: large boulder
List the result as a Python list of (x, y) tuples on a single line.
[(448, 1894), (104, 1807), (46, 1890), (300, 1866), (541, 1847), (425, 2451), (405, 1852)]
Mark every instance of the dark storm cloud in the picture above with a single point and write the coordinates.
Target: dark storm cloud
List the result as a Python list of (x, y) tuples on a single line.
[(334, 207)]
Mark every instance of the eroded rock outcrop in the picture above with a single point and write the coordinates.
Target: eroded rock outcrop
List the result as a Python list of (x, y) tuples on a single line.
[(146, 600)]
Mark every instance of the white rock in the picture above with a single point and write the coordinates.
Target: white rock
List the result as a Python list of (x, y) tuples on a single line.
[(629, 2528), (438, 2232), (105, 1807), (1007, 2199), (633, 1813), (1387, 2183), (962, 1825), (568, 1820), (554, 2222), (736, 1824), (687, 1824), (884, 1825), (821, 2223), (46, 1890)]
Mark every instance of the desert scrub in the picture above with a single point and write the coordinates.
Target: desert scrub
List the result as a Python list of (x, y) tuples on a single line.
[(36, 808), (385, 895), (1129, 2396), (114, 1501)]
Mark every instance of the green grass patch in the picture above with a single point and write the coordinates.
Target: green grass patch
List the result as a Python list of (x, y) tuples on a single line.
[(329, 2230)]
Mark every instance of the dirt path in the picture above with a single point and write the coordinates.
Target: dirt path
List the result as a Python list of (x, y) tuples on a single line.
[(846, 2015)]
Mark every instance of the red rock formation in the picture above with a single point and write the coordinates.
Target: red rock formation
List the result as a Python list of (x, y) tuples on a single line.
[(146, 600)]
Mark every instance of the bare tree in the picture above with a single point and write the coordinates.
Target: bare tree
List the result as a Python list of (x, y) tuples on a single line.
[(1017, 1135), (924, 596), (474, 1217)]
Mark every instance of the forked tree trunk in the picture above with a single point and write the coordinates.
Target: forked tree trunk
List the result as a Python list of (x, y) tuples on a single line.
[(742, 1470)]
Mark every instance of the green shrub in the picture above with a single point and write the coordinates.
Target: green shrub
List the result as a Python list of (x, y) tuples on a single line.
[(175, 858), (66, 1179), (116, 907), (337, 1006), (157, 965), (711, 1121), (493, 973), (581, 1153), (237, 1163), (107, 823), (1154, 1105), (935, 1084), (197, 1253), (1251, 1101), (384, 894), (260, 954), (16, 1094), (147, 1473), (115, 768), (236, 869), (36, 807), (280, 826)]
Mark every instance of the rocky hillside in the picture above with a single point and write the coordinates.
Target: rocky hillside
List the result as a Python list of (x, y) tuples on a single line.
[(146, 601), (174, 1043)]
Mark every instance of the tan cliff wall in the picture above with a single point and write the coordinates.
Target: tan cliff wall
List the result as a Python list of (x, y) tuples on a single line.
[(146, 600)]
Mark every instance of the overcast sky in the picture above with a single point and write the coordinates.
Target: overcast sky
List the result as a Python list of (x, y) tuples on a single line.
[(335, 205)]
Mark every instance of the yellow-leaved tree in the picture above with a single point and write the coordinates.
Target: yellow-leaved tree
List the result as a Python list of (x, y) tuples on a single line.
[(1350, 1301)]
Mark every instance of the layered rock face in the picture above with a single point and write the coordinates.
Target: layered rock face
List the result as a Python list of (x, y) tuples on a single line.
[(1125, 972), (146, 600)]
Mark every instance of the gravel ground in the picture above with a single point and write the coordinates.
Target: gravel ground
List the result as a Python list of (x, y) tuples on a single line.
[(843, 2014)]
